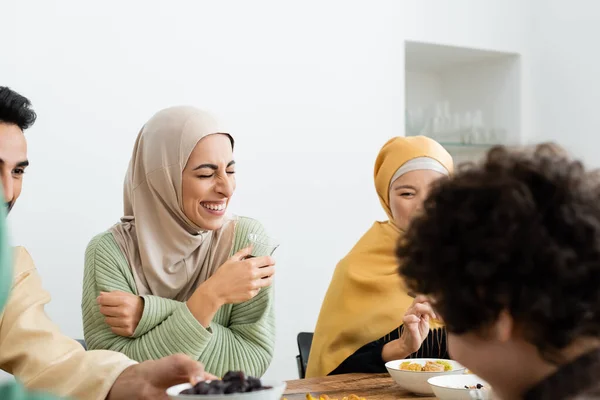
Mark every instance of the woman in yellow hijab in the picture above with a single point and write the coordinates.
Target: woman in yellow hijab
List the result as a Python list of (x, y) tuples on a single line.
[(367, 318)]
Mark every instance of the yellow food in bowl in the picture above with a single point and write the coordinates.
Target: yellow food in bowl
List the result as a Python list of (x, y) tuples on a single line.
[(430, 366)]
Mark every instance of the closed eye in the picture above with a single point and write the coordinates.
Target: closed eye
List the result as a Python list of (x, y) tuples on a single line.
[(211, 175)]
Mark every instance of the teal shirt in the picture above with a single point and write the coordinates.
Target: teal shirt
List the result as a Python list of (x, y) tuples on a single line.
[(14, 391), (240, 336)]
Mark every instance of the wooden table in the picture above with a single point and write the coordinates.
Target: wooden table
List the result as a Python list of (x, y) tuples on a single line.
[(369, 386)]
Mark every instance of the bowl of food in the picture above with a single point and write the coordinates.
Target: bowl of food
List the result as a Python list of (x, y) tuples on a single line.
[(413, 374), (460, 387), (234, 385)]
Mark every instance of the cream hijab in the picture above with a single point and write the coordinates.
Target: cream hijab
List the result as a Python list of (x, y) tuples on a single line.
[(168, 254)]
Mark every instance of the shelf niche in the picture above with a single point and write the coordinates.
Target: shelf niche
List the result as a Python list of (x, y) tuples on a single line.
[(467, 99)]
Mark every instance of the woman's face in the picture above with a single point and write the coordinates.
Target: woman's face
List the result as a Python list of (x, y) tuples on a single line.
[(208, 181), (408, 193)]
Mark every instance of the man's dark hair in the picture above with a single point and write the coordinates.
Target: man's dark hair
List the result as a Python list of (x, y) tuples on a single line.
[(15, 109), (519, 232)]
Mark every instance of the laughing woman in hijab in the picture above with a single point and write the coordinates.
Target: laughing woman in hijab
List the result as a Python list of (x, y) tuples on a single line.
[(367, 319), (175, 276)]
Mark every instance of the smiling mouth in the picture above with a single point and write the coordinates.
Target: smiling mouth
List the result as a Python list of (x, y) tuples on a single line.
[(214, 206)]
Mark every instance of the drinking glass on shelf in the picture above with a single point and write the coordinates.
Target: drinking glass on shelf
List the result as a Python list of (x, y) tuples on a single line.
[(467, 121), (415, 121), (456, 122), (262, 245), (477, 119)]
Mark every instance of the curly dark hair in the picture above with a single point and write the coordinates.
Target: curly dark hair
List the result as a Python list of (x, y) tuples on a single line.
[(518, 232), (15, 109)]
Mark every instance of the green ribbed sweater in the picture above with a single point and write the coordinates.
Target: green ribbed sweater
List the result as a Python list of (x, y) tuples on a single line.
[(240, 336)]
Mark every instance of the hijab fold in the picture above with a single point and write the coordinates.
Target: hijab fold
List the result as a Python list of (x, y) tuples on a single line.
[(367, 299), (168, 254)]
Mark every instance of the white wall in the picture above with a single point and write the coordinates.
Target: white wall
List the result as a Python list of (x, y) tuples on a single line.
[(566, 83), (311, 89)]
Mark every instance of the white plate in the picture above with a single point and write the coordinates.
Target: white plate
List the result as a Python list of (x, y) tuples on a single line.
[(270, 394), (416, 381)]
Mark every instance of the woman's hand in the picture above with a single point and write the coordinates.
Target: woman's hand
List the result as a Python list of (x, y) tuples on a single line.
[(149, 380), (416, 323), (239, 279), (414, 332), (122, 311)]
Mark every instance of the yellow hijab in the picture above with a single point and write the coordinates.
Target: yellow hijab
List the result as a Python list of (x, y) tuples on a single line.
[(366, 300)]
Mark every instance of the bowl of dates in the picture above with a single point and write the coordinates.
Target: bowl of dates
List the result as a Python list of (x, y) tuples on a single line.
[(234, 385)]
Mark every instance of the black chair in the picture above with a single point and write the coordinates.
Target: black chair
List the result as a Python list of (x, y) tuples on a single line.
[(304, 343), (82, 342)]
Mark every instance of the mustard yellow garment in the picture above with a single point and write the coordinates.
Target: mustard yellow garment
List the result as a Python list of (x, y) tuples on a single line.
[(366, 300), (33, 349)]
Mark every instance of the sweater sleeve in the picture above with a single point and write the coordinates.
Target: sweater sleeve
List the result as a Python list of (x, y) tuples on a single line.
[(178, 332), (246, 343), (240, 337), (156, 310), (111, 272)]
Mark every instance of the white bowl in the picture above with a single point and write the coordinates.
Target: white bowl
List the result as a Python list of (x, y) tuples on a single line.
[(416, 381), (452, 387), (269, 394)]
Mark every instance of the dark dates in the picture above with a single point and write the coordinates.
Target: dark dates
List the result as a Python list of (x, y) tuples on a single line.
[(232, 382)]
